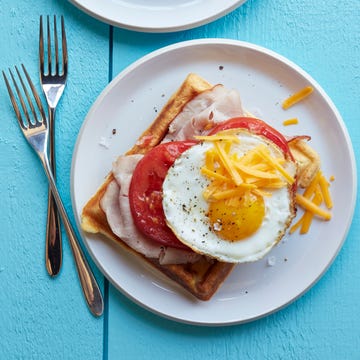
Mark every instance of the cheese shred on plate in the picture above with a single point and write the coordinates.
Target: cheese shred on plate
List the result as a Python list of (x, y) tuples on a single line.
[(298, 96), (315, 197), (292, 121)]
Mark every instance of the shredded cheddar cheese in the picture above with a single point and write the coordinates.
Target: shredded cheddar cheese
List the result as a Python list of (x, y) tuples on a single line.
[(314, 196), (292, 121), (311, 206), (308, 216), (213, 174), (324, 186), (221, 137), (298, 96), (226, 161), (310, 190), (256, 171), (266, 156)]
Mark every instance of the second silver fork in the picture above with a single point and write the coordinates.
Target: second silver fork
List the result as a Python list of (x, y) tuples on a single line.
[(33, 124), (53, 81)]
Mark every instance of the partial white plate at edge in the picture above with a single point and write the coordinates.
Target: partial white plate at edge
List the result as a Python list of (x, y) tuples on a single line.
[(263, 78), (158, 15)]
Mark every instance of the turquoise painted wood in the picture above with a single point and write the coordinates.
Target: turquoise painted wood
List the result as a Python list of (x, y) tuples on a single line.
[(44, 318), (322, 37)]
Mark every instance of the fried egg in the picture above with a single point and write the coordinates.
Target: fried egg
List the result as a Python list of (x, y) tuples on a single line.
[(222, 200)]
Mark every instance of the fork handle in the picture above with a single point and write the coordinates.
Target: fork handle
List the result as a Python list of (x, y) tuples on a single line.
[(53, 243), (88, 282), (53, 247)]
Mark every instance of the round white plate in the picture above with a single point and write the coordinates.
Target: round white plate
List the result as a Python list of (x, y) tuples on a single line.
[(129, 104), (157, 15)]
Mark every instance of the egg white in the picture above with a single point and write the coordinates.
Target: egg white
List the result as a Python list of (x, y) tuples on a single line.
[(185, 207)]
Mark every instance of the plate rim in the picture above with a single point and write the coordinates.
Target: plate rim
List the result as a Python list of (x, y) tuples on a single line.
[(238, 43), (154, 27)]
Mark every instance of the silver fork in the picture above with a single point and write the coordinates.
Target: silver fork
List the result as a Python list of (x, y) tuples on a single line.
[(32, 121), (53, 80)]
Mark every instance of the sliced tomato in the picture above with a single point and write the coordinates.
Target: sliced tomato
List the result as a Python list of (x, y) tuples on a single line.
[(145, 192), (257, 127)]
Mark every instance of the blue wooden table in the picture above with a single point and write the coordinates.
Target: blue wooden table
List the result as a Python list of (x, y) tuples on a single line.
[(44, 318)]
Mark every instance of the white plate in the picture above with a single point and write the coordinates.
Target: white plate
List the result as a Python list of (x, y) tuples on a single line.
[(130, 102), (157, 15)]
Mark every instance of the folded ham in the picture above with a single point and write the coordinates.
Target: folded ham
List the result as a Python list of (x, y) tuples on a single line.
[(202, 112)]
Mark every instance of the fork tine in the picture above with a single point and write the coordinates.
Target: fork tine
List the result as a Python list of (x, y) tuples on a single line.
[(37, 122), (41, 47), (49, 46), (36, 96), (64, 46), (14, 103), (56, 48)]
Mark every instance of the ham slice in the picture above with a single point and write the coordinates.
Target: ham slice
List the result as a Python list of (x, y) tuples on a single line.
[(119, 218), (177, 256), (115, 204), (205, 110)]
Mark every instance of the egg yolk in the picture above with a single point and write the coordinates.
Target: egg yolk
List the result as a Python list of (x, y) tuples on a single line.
[(237, 218)]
